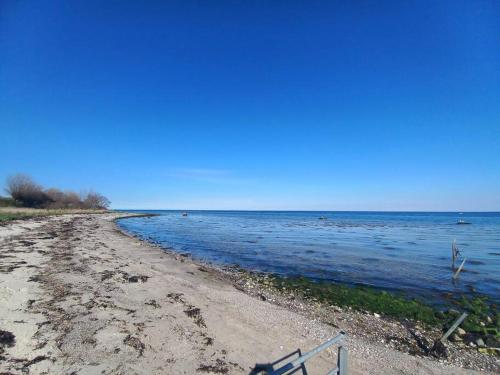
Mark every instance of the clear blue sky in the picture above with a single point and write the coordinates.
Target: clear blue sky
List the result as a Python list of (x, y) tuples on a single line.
[(329, 105)]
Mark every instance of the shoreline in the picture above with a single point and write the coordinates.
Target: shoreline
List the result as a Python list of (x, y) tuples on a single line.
[(394, 304), (262, 285), (93, 298), (344, 250)]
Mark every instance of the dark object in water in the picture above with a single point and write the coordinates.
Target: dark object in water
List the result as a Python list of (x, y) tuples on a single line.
[(462, 222), (184, 214), (323, 218)]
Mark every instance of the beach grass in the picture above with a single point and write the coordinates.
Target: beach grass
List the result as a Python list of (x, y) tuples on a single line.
[(18, 213)]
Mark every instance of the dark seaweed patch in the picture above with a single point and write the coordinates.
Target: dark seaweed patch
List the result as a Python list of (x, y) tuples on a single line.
[(195, 314), (35, 360), (153, 303), (220, 367), (107, 274), (176, 297), (136, 279), (135, 343), (7, 338)]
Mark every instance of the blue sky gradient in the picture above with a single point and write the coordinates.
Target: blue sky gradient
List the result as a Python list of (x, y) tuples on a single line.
[(321, 105)]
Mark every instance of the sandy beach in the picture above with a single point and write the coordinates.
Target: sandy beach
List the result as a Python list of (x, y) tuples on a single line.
[(81, 297)]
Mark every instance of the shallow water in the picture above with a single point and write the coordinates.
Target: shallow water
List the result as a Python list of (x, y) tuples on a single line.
[(409, 252)]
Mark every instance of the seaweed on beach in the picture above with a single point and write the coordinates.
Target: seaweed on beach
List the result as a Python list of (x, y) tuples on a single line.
[(153, 303), (7, 339), (135, 343), (220, 367), (195, 314), (208, 341), (135, 279), (107, 274), (35, 360), (176, 297)]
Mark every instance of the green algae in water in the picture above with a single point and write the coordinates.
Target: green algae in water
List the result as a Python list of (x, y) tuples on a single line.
[(483, 316)]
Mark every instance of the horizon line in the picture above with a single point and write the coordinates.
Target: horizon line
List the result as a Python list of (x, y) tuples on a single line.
[(269, 210)]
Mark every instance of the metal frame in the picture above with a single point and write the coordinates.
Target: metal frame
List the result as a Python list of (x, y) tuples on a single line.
[(298, 363)]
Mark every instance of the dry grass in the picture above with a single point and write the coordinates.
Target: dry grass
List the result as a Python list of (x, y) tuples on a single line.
[(19, 213)]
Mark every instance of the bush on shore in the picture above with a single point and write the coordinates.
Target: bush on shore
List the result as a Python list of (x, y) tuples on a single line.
[(7, 202), (25, 192)]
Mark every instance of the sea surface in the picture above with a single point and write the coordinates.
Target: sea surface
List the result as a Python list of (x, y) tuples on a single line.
[(407, 252)]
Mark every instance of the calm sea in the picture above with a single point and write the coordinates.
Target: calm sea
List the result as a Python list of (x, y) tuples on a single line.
[(409, 252)]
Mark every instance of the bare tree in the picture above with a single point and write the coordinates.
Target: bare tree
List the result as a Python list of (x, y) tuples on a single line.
[(28, 193), (18, 183), (24, 190), (71, 200), (57, 198), (54, 194), (96, 201)]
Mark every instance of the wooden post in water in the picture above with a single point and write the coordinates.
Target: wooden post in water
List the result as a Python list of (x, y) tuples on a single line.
[(453, 254), (455, 275)]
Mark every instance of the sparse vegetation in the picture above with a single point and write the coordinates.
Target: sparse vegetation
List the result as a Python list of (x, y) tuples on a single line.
[(356, 297), (18, 213), (24, 192), (483, 319), (7, 202)]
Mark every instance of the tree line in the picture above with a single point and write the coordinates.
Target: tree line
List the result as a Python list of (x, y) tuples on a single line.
[(25, 192)]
